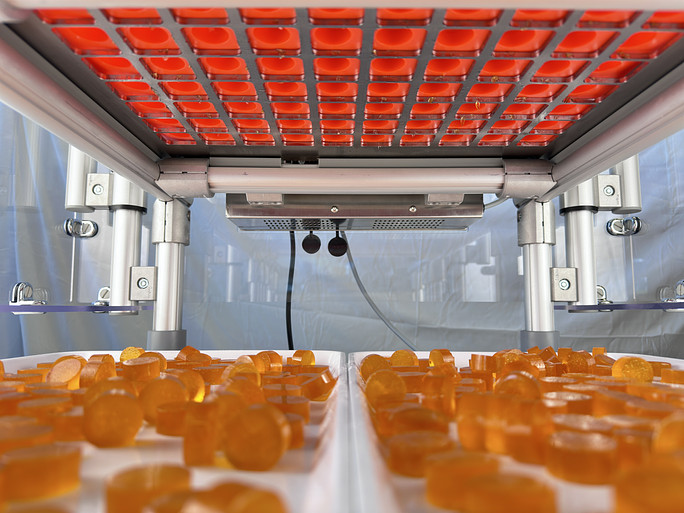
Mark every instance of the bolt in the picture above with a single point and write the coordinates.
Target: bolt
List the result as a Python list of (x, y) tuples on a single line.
[(334, 209), (143, 283), (413, 209), (564, 284), (98, 189), (609, 190)]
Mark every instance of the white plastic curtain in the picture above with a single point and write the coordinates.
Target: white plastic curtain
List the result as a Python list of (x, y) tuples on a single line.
[(455, 290)]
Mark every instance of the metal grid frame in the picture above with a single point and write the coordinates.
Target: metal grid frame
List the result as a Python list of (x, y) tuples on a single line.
[(40, 37)]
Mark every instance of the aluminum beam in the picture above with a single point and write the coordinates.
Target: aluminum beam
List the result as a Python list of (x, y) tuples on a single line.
[(315, 180)]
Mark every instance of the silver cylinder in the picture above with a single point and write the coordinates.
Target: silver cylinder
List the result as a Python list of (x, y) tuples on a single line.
[(580, 254), (315, 180), (79, 165), (125, 254), (168, 308), (630, 186), (537, 263), (125, 193)]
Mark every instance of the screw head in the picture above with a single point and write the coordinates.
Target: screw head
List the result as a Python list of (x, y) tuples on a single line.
[(143, 283), (609, 190), (98, 189), (413, 209), (334, 209), (564, 284)]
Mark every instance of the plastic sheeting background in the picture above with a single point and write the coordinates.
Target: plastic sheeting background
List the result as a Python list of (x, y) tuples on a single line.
[(457, 290)]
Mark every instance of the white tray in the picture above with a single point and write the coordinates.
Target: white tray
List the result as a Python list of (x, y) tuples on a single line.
[(376, 490), (311, 479)]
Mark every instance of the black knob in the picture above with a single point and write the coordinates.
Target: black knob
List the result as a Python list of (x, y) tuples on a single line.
[(337, 245), (311, 243)]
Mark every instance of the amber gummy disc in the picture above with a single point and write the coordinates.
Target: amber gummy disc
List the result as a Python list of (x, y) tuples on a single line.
[(446, 475), (164, 389), (520, 494), (404, 358), (372, 363), (587, 458), (649, 489), (408, 451), (257, 437), (384, 384), (633, 368), (130, 490), (113, 419), (42, 471)]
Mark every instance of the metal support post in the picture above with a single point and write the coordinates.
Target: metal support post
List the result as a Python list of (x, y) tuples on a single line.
[(578, 206), (630, 186), (170, 235), (79, 166), (536, 235), (128, 202)]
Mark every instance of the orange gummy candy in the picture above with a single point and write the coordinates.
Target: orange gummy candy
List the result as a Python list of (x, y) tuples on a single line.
[(257, 437), (297, 424), (171, 418), (404, 358), (164, 389), (304, 357), (587, 458), (95, 371), (201, 433), (292, 404), (407, 452), (42, 471), (384, 385), (66, 370), (142, 368), (112, 419), (520, 494), (130, 490), (521, 384), (372, 363), (633, 368), (447, 474)]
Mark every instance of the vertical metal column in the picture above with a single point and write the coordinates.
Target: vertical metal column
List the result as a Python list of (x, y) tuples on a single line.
[(630, 186), (170, 235), (79, 166), (536, 235), (128, 202), (578, 206)]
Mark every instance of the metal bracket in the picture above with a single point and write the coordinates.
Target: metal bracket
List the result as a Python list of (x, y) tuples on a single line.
[(526, 178), (564, 284), (99, 190), (185, 178), (22, 294), (608, 192), (170, 222), (143, 283), (82, 229), (624, 227)]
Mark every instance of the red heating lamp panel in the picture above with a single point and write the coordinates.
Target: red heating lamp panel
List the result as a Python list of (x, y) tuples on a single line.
[(383, 78)]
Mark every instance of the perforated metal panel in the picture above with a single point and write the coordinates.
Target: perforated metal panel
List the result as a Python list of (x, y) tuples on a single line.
[(310, 83)]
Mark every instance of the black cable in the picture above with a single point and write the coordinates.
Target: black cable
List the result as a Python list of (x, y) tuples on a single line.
[(288, 300)]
